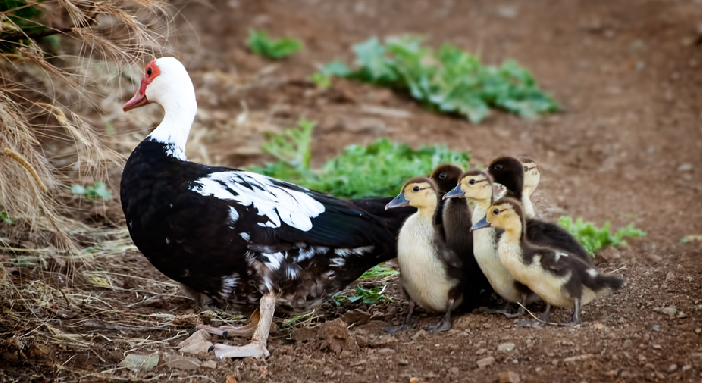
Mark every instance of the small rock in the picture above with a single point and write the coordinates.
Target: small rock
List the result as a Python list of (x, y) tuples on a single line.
[(346, 354), (672, 367), (698, 330), (577, 358), (657, 346), (402, 362), (685, 167), (508, 377), (670, 276), (337, 335), (196, 343), (505, 347), (414, 379), (627, 344), (386, 351), (209, 364), (670, 310), (687, 367), (486, 362), (182, 362), (456, 371), (481, 351), (139, 362), (230, 379), (357, 317)]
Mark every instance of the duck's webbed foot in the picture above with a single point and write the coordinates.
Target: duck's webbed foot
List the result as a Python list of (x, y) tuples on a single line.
[(262, 326), (576, 315), (408, 320)]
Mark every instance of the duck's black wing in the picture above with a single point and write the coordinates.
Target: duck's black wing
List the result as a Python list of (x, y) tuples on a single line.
[(550, 235)]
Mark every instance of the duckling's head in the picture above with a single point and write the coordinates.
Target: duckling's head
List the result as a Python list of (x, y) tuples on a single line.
[(508, 171), (420, 192), (476, 185), (446, 177), (505, 213), (532, 174)]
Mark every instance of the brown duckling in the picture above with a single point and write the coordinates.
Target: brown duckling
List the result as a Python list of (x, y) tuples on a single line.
[(455, 225), (476, 186), (509, 172), (559, 278), (532, 176), (430, 272)]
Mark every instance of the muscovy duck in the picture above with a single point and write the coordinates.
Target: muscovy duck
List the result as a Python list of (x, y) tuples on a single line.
[(560, 278), (241, 238)]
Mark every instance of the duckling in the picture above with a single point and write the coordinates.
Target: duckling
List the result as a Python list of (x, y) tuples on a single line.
[(532, 176), (430, 272), (509, 172), (455, 226), (559, 278), (477, 186)]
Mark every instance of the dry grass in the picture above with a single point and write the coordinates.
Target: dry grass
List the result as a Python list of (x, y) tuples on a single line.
[(47, 98)]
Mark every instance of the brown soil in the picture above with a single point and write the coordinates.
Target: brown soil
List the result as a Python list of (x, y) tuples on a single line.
[(628, 148)]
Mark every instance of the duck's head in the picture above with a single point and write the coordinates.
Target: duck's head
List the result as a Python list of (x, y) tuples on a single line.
[(532, 173), (505, 213), (165, 82), (476, 185), (446, 177), (420, 192), (508, 171)]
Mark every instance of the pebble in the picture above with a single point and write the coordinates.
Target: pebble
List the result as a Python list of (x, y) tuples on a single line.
[(670, 310), (454, 371), (414, 379), (687, 367), (231, 379), (673, 367), (505, 347), (670, 276), (508, 377), (486, 362), (627, 344), (657, 346), (209, 364), (386, 351), (402, 363)]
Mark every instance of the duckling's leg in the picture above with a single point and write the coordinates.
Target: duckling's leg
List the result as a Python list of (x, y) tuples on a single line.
[(546, 315), (576, 315), (520, 312), (257, 347), (506, 309), (408, 320), (445, 323)]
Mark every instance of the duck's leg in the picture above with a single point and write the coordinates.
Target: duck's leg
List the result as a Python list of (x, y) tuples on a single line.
[(257, 347), (408, 320), (576, 315), (445, 323), (242, 331)]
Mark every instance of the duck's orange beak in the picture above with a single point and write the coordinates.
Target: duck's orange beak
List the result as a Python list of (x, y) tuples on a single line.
[(139, 98)]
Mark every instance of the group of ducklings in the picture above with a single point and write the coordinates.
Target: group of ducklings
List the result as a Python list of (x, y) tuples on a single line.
[(464, 243)]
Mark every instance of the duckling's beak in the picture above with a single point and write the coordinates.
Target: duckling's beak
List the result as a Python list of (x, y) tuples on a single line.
[(455, 193), (398, 201), (483, 223)]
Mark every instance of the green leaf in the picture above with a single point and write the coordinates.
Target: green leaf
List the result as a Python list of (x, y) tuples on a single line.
[(593, 238), (77, 189), (447, 80), (5, 217), (271, 48), (378, 271)]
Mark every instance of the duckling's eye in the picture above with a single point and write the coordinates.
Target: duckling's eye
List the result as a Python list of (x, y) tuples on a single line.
[(472, 182), (416, 188), (496, 211), (148, 72), (442, 175), (526, 169), (498, 167)]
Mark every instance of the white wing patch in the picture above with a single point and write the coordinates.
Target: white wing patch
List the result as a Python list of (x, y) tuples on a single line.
[(278, 204), (592, 272), (356, 251), (233, 214), (338, 262), (228, 284), (246, 236), (274, 260)]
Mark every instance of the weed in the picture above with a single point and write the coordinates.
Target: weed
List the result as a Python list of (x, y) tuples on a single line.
[(91, 192), (360, 171), (379, 271), (271, 48), (691, 238), (5, 217), (369, 296), (593, 238), (447, 80), (292, 321)]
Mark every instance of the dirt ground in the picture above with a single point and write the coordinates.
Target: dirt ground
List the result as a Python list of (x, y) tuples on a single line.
[(627, 148)]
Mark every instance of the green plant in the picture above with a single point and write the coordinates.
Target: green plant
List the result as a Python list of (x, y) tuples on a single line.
[(292, 321), (447, 80), (379, 271), (378, 169), (90, 192), (369, 296), (593, 238), (691, 238), (5, 217), (271, 48)]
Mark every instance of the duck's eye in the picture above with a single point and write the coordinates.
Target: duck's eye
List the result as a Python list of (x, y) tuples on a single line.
[(416, 188), (496, 211), (148, 72), (442, 175), (498, 167), (472, 182)]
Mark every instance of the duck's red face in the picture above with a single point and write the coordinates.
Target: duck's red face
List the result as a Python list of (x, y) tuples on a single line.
[(139, 99)]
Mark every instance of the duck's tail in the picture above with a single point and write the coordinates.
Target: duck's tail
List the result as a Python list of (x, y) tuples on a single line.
[(603, 284)]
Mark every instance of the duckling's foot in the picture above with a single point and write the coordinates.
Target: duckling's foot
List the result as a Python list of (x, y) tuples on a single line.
[(394, 329), (255, 349), (576, 315), (506, 309), (519, 313), (442, 325), (408, 320), (525, 323)]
